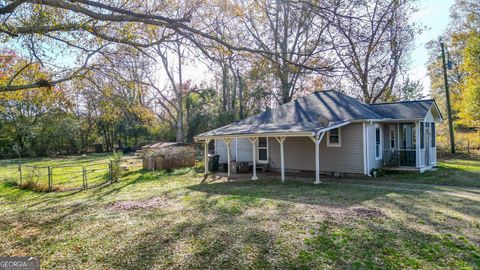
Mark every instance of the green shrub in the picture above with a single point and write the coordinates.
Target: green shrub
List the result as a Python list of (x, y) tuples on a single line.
[(199, 166), (116, 168), (377, 172)]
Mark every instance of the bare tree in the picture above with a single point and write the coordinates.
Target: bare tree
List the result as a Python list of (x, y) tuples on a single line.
[(372, 39), (295, 36), (77, 24)]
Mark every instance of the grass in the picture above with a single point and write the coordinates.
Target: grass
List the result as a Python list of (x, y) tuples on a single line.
[(452, 171), (159, 220), (67, 172)]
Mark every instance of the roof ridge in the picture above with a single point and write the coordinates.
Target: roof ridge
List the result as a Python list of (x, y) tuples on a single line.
[(404, 101), (359, 101)]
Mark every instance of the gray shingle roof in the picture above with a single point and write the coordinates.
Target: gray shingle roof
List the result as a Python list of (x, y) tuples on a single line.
[(403, 110), (303, 114)]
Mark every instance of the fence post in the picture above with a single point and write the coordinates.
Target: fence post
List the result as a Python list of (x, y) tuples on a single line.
[(20, 171), (49, 170), (84, 173), (110, 170)]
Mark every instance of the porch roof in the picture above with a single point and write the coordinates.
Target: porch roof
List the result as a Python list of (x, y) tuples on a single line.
[(417, 109)]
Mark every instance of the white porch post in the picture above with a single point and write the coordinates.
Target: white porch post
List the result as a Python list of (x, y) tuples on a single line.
[(317, 139), (205, 158), (254, 154), (282, 157), (317, 161), (227, 142), (417, 145)]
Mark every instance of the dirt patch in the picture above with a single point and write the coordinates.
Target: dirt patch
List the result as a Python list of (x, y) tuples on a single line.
[(336, 213), (368, 212), (140, 204)]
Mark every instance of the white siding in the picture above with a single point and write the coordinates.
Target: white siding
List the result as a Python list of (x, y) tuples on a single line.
[(240, 149)]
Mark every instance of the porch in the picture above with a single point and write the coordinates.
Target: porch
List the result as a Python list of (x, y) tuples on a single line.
[(409, 146), (287, 152)]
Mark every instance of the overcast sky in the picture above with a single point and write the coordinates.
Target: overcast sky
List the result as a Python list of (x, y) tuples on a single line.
[(433, 14)]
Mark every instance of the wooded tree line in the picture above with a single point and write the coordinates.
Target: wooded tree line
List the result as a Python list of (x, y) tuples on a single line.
[(76, 73), (462, 39)]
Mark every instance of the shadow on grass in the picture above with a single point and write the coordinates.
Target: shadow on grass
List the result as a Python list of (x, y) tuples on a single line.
[(327, 193), (378, 247), (218, 243)]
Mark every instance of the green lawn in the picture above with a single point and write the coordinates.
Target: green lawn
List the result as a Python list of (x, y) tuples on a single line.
[(66, 173), (156, 220)]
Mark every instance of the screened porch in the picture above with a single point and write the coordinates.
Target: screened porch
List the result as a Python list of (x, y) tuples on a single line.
[(409, 144)]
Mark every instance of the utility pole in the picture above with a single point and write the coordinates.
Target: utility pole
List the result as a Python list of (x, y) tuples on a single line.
[(447, 92)]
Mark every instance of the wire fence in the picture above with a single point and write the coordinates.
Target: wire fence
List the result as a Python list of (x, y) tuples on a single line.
[(67, 177)]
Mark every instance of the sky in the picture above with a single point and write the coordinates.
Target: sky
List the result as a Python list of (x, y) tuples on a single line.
[(433, 14)]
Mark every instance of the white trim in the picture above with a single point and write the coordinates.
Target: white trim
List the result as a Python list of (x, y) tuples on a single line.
[(339, 144), (228, 142), (438, 112), (417, 144), (319, 130), (365, 169), (281, 140), (236, 150), (273, 134), (254, 141), (368, 149), (268, 135), (317, 139), (380, 150), (205, 156)]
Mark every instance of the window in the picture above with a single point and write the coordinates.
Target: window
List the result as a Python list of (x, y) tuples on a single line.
[(432, 125), (422, 135), (211, 147), (334, 138), (378, 143), (392, 138), (262, 149)]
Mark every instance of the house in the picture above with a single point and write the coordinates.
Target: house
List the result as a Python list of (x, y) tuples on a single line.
[(330, 132)]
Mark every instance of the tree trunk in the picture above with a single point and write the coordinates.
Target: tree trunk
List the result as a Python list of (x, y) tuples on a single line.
[(284, 64), (241, 85), (234, 92), (180, 135), (224, 86)]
